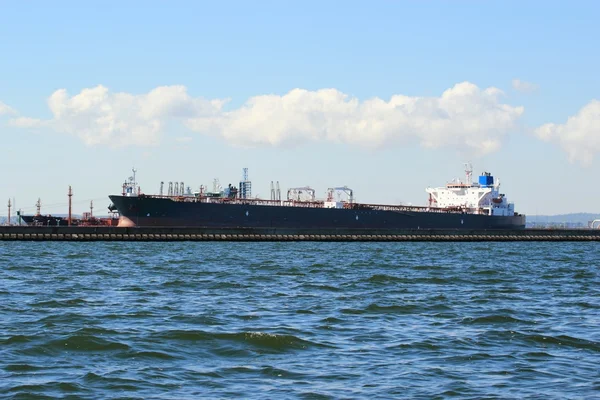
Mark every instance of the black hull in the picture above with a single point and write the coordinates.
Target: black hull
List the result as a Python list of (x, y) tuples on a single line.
[(162, 212), (49, 220), (44, 220)]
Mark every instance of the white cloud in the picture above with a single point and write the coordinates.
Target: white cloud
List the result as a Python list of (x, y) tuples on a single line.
[(523, 86), (579, 136), (25, 122), (97, 116), (6, 110), (464, 116)]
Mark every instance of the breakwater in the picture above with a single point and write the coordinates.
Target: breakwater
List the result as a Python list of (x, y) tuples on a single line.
[(46, 233)]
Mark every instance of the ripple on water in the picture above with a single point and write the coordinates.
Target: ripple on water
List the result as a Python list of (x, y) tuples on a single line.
[(392, 309), (544, 341), (278, 342), (32, 391), (75, 302), (72, 343), (18, 339), (385, 279), (112, 382), (22, 368), (495, 319)]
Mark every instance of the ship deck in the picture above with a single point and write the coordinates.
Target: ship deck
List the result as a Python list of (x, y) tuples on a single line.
[(311, 204)]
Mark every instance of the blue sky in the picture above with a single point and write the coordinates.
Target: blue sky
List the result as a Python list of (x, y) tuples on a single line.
[(192, 91)]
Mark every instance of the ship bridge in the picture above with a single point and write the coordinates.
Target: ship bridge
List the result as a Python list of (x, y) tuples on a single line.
[(482, 197)]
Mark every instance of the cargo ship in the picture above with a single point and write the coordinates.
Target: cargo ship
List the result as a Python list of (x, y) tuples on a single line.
[(458, 205), (44, 220), (53, 220), (87, 219)]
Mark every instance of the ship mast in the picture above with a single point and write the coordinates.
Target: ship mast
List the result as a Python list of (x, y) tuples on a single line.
[(272, 191), (134, 182), (70, 196), (277, 192), (468, 174)]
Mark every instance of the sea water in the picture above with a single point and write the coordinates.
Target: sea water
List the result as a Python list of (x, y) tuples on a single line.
[(192, 320)]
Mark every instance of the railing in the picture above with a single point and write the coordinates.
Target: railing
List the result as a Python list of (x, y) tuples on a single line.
[(319, 204)]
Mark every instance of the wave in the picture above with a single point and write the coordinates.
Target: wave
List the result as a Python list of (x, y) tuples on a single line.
[(304, 312), (28, 391), (258, 339), (428, 344), (584, 304), (22, 368), (268, 371), (112, 382), (148, 354), (75, 256), (18, 339), (477, 356), (60, 303), (393, 309), (408, 308), (78, 343), (229, 285), (562, 341), (495, 319), (323, 287), (384, 278), (332, 320)]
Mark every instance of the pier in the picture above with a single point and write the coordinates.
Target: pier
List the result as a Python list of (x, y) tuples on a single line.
[(169, 234)]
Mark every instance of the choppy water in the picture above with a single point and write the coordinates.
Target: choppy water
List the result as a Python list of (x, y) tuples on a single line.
[(299, 320)]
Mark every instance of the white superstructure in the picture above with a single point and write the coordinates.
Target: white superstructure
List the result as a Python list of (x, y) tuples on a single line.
[(481, 197), (130, 186)]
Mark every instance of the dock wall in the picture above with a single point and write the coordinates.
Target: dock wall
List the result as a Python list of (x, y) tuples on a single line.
[(84, 234)]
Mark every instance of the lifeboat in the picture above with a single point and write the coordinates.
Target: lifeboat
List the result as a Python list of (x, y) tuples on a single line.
[(497, 200)]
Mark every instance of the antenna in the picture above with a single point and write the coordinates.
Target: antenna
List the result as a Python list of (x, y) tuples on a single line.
[(134, 181), (9, 205), (91, 208), (38, 207), (469, 173), (245, 186)]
